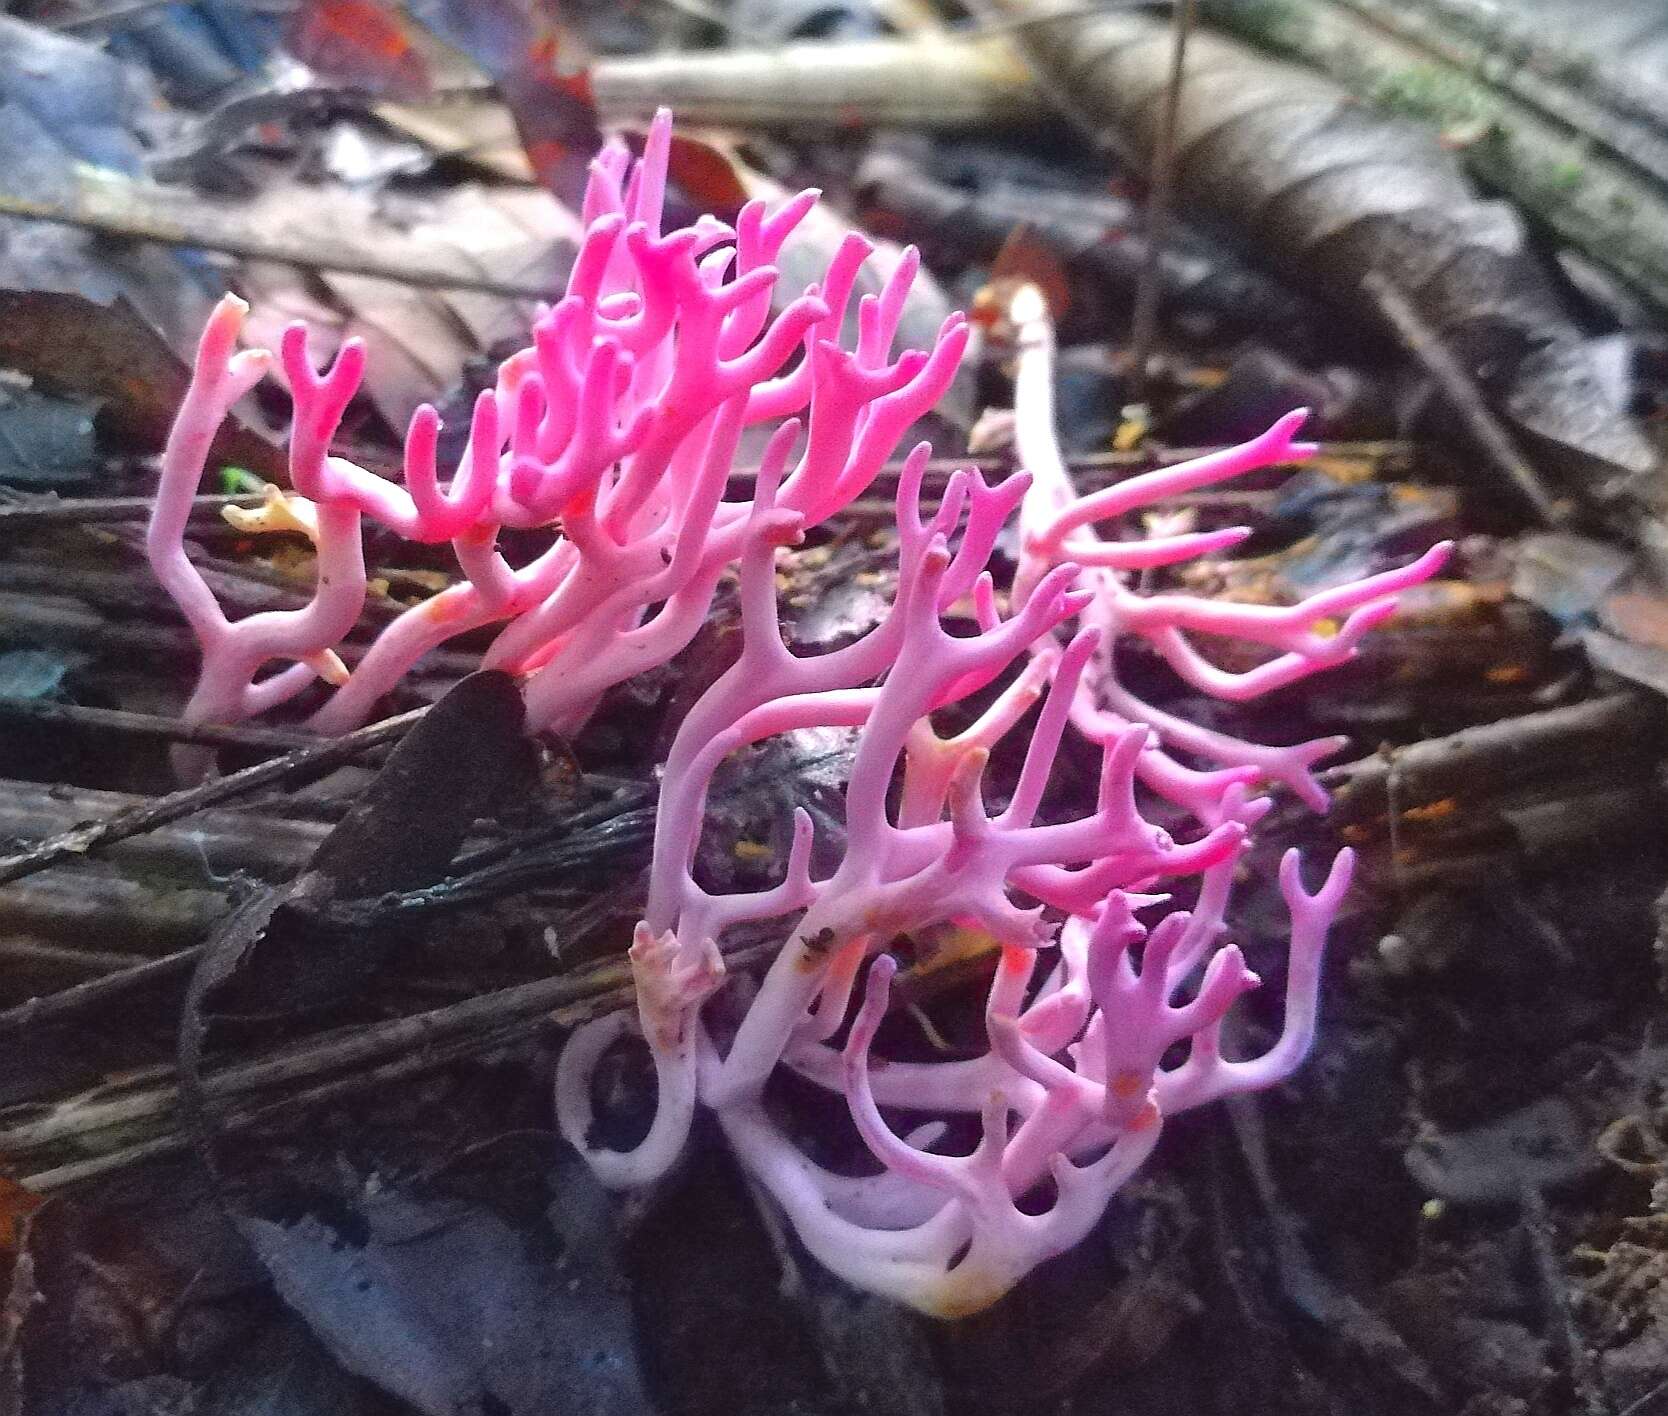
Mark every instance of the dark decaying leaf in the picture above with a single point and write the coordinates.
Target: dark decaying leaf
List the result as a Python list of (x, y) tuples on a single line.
[(460, 762), (197, 52), (1332, 191), (441, 1304), (74, 90), (108, 306), (446, 1307), (285, 1372), (1256, 388), (277, 955), (418, 340), (1352, 530), (107, 352), (1098, 238), (706, 176), (45, 442), (835, 592)]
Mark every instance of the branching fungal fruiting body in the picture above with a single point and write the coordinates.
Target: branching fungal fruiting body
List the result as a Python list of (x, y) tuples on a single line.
[(1057, 524), (1072, 1091), (1074, 1087), (617, 431)]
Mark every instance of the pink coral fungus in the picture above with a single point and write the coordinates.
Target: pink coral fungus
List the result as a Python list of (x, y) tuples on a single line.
[(1076, 1063), (1057, 524), (616, 430), (616, 433), (1084, 1016)]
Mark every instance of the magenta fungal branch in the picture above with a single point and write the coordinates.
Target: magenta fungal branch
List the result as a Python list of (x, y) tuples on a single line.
[(1081, 1015), (618, 430), (1056, 524), (1072, 1092)]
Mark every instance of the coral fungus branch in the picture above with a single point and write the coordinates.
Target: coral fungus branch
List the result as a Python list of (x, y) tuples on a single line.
[(614, 433)]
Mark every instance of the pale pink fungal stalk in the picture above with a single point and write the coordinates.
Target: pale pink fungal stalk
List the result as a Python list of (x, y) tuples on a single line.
[(1072, 1092), (234, 652), (1057, 524), (616, 430)]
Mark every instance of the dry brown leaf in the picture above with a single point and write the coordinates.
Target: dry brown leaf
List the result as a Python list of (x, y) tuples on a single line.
[(418, 340), (109, 354)]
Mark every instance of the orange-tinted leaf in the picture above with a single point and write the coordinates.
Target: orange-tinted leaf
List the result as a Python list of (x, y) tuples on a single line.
[(705, 174), (359, 42), (558, 126), (16, 1205), (541, 69)]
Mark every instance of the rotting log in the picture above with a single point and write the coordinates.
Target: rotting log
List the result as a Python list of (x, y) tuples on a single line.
[(1330, 190), (1597, 180)]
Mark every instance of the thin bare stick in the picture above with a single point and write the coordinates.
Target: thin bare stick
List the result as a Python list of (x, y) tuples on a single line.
[(1144, 321), (1462, 395), (245, 1118), (88, 511), (1495, 756), (96, 993), (567, 999), (172, 807), (1388, 453), (150, 725)]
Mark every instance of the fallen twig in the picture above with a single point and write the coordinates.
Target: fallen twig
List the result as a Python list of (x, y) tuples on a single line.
[(472, 1024), (1547, 1264), (151, 725), (88, 511), (1389, 456), (96, 993), (22, 954), (900, 83), (1350, 1328), (1460, 392), (145, 913), (178, 804), (266, 840), (45, 620), (1144, 321), (1497, 755), (243, 1118)]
